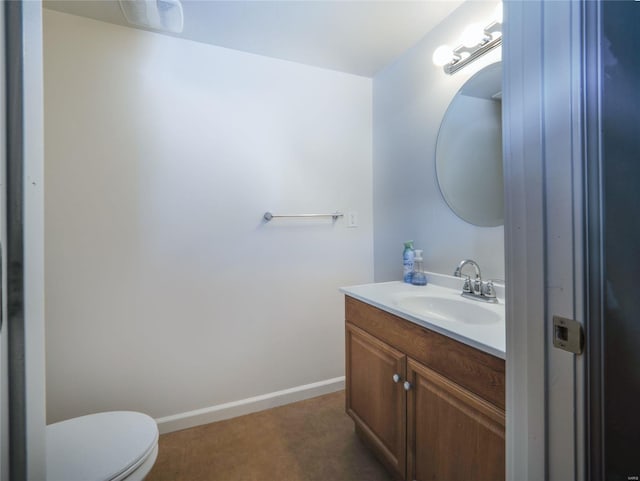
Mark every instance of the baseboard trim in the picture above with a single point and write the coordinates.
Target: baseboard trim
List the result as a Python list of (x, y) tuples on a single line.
[(250, 405)]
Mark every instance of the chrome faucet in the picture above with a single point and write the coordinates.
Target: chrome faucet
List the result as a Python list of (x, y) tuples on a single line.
[(476, 289)]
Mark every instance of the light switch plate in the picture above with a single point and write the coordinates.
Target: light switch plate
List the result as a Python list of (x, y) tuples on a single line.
[(352, 219)]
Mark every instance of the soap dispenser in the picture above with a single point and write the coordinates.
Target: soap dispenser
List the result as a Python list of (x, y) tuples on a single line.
[(419, 278), (407, 262)]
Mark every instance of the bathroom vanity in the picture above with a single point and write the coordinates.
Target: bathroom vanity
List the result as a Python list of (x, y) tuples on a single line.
[(425, 385)]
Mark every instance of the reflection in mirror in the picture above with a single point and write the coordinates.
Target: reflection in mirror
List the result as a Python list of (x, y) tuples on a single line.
[(469, 150)]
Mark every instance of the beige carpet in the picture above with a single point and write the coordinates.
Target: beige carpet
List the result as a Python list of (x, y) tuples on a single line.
[(311, 440)]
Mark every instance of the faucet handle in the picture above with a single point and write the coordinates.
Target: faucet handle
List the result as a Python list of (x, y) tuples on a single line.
[(488, 290)]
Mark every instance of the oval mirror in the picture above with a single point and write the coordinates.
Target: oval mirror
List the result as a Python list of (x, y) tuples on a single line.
[(469, 150)]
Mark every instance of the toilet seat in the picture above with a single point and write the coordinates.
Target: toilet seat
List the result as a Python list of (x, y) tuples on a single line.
[(108, 446)]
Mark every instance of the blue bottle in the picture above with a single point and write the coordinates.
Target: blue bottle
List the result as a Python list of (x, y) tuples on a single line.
[(407, 261)]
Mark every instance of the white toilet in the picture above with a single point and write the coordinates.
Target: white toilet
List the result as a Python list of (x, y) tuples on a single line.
[(109, 446)]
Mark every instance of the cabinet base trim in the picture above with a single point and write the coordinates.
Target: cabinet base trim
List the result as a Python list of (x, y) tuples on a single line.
[(250, 405)]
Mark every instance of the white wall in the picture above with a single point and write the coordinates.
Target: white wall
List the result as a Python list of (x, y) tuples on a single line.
[(165, 291), (410, 99)]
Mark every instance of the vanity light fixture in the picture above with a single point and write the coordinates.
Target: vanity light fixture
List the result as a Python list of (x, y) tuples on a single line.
[(475, 42)]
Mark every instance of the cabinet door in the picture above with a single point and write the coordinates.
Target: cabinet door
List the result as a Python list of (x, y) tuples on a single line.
[(375, 401), (452, 434)]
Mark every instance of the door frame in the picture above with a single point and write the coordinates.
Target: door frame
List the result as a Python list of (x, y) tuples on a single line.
[(24, 253), (4, 373), (543, 62)]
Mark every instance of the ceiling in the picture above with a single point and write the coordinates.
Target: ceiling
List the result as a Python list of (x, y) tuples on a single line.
[(354, 36)]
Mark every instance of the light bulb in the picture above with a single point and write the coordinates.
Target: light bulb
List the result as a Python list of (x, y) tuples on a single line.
[(472, 35), (497, 13), (442, 55)]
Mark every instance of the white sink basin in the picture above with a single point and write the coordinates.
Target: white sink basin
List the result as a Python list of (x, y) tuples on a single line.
[(453, 310), (439, 307)]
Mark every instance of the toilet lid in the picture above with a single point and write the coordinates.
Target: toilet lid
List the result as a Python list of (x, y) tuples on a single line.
[(99, 447)]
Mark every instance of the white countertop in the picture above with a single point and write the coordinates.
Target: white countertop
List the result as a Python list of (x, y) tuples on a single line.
[(489, 337)]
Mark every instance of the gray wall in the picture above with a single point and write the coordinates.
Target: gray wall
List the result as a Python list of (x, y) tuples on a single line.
[(410, 98)]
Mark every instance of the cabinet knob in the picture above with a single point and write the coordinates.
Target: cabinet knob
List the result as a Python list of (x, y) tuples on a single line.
[(396, 378), (407, 385)]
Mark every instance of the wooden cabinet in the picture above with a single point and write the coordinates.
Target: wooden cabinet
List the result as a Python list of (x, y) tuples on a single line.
[(441, 418), (374, 400), (452, 434)]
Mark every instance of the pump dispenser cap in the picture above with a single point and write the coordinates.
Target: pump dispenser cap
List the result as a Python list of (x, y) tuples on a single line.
[(418, 254)]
